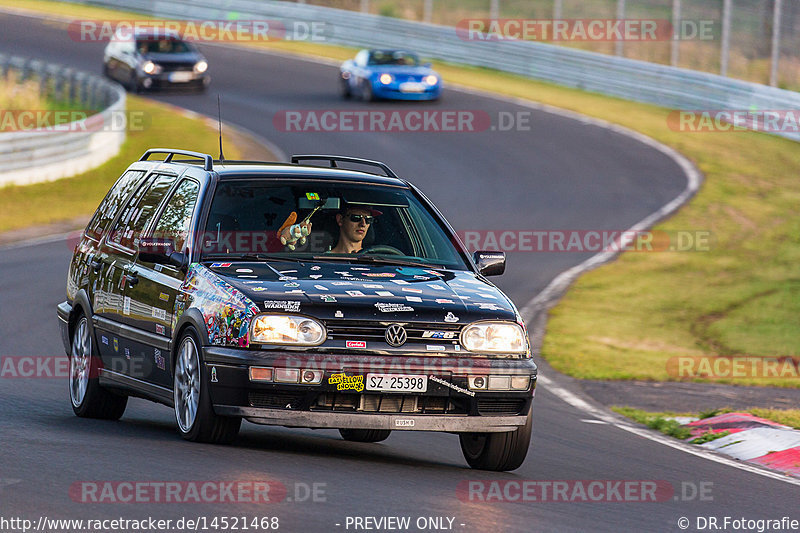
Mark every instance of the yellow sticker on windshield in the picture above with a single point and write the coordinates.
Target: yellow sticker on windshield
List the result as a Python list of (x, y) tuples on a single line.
[(312, 196)]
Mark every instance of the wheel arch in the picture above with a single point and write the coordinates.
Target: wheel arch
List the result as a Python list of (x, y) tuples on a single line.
[(190, 318), (80, 305)]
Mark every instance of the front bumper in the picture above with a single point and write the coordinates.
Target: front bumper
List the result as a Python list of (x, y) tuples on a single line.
[(319, 420), (393, 92), (447, 404), (185, 79)]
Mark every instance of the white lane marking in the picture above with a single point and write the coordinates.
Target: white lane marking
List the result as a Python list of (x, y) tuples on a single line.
[(592, 421), (45, 239), (8, 481), (611, 419)]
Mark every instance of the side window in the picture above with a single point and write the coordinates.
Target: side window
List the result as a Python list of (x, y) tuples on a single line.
[(176, 219), (110, 204), (140, 209)]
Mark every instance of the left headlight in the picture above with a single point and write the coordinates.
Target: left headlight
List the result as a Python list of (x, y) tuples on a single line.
[(286, 329), (151, 68), (200, 67), (386, 79), (494, 337)]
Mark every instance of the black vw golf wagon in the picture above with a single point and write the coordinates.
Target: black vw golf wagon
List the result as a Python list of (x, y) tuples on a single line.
[(307, 294)]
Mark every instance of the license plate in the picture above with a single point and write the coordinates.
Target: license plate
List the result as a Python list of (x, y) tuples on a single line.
[(180, 76), (411, 87), (397, 383)]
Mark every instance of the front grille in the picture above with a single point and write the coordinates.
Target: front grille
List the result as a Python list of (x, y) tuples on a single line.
[(385, 403), (275, 399), (497, 406), (376, 331), (171, 66)]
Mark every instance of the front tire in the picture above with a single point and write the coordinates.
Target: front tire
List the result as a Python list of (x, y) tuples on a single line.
[(365, 435), (88, 398), (499, 452), (367, 94), (344, 89), (192, 398)]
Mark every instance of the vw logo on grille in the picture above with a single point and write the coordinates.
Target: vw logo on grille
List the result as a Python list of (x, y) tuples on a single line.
[(396, 335)]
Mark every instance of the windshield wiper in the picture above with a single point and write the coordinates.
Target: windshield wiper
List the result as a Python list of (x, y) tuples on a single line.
[(375, 259)]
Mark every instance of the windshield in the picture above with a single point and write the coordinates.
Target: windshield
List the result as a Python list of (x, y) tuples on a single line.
[(389, 57), (368, 223), (162, 46)]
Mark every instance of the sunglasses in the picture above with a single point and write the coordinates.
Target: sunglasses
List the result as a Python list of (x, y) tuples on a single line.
[(357, 218)]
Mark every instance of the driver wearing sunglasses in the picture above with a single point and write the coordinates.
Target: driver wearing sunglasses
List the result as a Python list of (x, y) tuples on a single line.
[(353, 223)]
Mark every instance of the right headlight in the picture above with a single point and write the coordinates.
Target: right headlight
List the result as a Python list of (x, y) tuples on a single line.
[(494, 337), (286, 329)]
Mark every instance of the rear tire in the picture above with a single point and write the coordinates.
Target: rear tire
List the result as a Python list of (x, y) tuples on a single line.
[(365, 435), (192, 398), (499, 452), (88, 398), (133, 85)]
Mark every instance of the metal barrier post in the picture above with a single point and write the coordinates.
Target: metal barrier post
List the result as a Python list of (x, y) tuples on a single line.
[(726, 37), (675, 51), (776, 43), (620, 46)]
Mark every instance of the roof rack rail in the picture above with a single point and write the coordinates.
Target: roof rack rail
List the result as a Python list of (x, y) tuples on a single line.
[(208, 161), (333, 159)]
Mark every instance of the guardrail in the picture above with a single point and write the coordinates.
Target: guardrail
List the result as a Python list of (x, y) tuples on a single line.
[(670, 87), (32, 155)]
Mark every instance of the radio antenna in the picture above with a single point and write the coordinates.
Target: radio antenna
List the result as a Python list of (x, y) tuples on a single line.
[(219, 121)]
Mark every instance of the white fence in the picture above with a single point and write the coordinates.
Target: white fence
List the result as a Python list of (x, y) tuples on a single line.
[(31, 154)]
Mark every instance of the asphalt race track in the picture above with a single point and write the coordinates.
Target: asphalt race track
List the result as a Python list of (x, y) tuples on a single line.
[(562, 174)]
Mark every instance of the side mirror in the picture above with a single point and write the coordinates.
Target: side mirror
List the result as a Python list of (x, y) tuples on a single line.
[(427, 65), (490, 263)]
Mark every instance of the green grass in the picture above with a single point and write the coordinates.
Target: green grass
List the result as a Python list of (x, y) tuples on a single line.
[(787, 417), (657, 420), (709, 436), (630, 319), (65, 199)]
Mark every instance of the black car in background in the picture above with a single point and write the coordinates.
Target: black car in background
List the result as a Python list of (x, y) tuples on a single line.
[(151, 59), (221, 289)]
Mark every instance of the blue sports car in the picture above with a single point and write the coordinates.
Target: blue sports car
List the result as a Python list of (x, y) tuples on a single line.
[(389, 74)]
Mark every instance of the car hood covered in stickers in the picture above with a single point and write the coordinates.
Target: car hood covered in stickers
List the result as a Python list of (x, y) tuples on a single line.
[(332, 291)]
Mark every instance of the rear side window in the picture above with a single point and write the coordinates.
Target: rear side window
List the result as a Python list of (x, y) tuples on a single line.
[(176, 219), (111, 203), (142, 206)]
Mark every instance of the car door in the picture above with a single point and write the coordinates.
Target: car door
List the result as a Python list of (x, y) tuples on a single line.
[(159, 283), (108, 263), (129, 354)]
